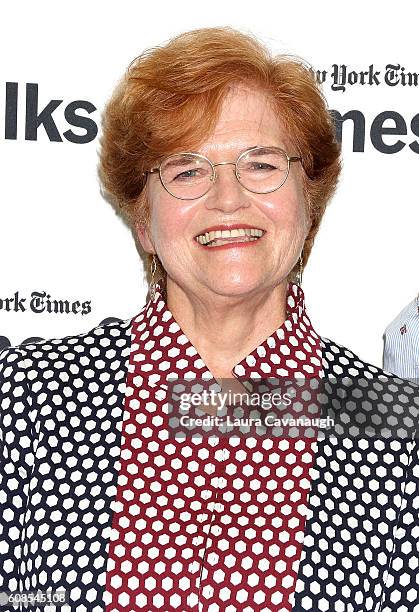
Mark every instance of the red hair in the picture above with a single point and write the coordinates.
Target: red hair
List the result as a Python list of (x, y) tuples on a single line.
[(170, 98)]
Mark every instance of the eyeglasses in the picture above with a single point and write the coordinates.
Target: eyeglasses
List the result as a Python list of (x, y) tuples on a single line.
[(188, 176)]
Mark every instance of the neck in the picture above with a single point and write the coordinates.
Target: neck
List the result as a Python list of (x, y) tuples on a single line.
[(224, 329)]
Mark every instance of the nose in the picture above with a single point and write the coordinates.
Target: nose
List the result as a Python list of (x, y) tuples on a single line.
[(226, 193)]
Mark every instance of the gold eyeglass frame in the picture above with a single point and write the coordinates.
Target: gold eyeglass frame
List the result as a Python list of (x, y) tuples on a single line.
[(213, 178)]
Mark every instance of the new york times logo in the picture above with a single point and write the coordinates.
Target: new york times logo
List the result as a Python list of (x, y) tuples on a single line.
[(41, 302), (342, 76)]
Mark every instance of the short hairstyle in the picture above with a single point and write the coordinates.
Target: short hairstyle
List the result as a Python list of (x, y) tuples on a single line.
[(170, 98)]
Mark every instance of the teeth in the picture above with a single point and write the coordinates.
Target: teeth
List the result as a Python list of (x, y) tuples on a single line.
[(253, 233)]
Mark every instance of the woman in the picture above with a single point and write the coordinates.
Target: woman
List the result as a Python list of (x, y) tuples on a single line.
[(222, 159)]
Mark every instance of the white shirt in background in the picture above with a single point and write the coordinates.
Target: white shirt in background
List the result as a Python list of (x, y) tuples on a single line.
[(401, 343)]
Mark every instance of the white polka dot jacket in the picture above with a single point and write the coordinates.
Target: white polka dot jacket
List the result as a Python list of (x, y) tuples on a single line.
[(109, 497)]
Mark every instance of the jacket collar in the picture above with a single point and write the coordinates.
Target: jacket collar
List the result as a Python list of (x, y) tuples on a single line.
[(161, 350)]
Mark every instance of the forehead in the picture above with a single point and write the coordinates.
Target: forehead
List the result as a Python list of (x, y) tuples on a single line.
[(247, 118)]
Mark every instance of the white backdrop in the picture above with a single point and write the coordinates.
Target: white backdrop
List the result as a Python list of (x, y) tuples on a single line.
[(58, 235)]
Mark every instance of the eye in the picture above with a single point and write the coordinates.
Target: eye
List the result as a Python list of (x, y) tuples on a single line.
[(258, 165), (264, 160), (187, 174)]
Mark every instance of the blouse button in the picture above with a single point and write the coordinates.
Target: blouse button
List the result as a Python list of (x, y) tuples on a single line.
[(207, 591), (216, 530)]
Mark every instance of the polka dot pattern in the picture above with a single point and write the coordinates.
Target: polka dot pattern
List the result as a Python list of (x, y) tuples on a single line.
[(61, 409), (98, 500), (361, 544), (187, 508)]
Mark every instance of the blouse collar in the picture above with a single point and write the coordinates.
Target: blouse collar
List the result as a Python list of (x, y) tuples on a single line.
[(162, 351)]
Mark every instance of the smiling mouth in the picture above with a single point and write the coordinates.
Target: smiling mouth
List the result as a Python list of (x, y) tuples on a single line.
[(221, 237)]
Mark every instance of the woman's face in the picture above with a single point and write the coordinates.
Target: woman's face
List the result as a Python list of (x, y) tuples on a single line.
[(246, 120)]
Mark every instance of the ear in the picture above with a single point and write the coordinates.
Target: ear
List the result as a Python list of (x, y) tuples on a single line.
[(144, 238)]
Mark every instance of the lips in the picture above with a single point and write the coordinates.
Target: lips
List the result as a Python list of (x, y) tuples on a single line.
[(220, 243), (238, 235)]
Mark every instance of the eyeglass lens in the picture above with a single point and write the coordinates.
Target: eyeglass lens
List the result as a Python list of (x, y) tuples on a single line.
[(189, 175)]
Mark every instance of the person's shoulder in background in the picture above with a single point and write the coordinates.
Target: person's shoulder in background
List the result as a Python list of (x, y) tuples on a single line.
[(407, 314), (401, 343)]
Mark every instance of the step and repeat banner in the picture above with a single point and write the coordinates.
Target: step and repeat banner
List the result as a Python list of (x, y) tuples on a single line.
[(68, 262)]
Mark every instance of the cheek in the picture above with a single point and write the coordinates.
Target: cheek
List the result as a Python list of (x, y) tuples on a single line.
[(160, 217), (169, 220), (297, 206), (289, 212)]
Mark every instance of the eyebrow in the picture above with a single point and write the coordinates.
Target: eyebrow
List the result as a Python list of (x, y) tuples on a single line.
[(180, 161), (262, 148), (268, 148), (239, 153)]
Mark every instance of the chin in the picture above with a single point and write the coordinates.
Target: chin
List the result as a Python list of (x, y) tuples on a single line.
[(235, 285)]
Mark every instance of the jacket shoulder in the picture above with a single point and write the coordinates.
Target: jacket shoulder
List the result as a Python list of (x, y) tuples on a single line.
[(76, 366), (366, 399), (111, 334)]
